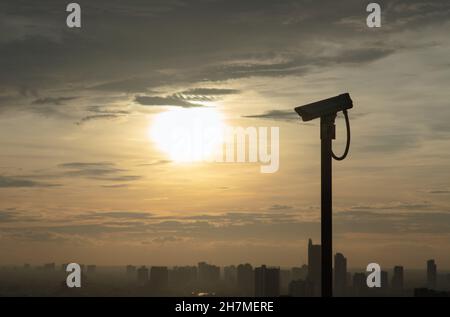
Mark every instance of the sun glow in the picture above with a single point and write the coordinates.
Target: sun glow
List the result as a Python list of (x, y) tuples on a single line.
[(188, 135)]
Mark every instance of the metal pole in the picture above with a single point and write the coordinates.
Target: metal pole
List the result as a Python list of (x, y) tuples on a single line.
[(327, 134)]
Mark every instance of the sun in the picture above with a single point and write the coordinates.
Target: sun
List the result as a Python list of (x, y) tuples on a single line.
[(188, 135)]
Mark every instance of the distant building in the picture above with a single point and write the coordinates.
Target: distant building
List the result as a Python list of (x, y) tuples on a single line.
[(340, 274), (230, 275), (315, 265), (397, 278), (130, 271), (300, 273), (208, 274), (285, 279), (359, 283), (159, 278), (431, 274), (142, 275), (183, 276), (267, 282), (301, 288), (245, 279), (384, 280)]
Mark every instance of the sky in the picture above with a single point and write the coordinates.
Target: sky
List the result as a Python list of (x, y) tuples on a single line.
[(83, 180)]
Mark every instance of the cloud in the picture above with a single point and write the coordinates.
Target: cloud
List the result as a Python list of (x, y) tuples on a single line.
[(280, 207), (97, 117), (283, 115), (117, 215), (17, 181), (431, 222), (210, 91), (439, 191), (12, 215), (106, 171), (57, 101), (164, 101)]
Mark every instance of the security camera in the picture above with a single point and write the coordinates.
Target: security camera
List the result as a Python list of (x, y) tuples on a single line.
[(325, 107)]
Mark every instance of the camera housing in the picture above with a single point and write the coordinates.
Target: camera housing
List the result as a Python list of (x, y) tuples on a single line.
[(325, 107)]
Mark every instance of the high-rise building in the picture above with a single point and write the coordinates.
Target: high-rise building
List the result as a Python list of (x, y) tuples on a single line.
[(300, 273), (301, 288), (183, 276), (431, 274), (131, 271), (245, 279), (384, 279), (208, 274), (359, 283), (315, 266), (285, 279), (340, 274), (229, 275), (267, 281), (159, 278), (397, 278), (142, 275)]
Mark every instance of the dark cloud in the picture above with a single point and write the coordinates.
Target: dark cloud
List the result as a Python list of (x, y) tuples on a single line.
[(116, 214), (155, 163), (17, 181), (439, 192), (106, 171), (13, 215), (97, 117), (102, 113), (57, 101), (164, 101), (283, 115), (210, 91), (149, 46)]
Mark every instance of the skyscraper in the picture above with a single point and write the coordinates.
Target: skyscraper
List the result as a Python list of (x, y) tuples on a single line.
[(359, 283), (397, 279), (267, 281), (431, 274), (159, 278), (300, 273), (208, 274), (131, 271), (315, 266), (384, 279), (340, 274), (245, 279), (142, 275), (183, 276), (229, 275), (300, 288)]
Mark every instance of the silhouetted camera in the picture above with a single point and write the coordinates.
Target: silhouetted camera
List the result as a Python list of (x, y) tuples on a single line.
[(325, 107)]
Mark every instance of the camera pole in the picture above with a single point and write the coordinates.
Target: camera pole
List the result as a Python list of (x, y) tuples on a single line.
[(327, 110), (327, 134)]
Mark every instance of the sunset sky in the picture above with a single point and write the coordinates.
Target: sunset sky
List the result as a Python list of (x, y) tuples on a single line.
[(82, 179)]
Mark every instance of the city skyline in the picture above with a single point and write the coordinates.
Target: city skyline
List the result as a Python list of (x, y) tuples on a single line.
[(205, 279), (87, 177)]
